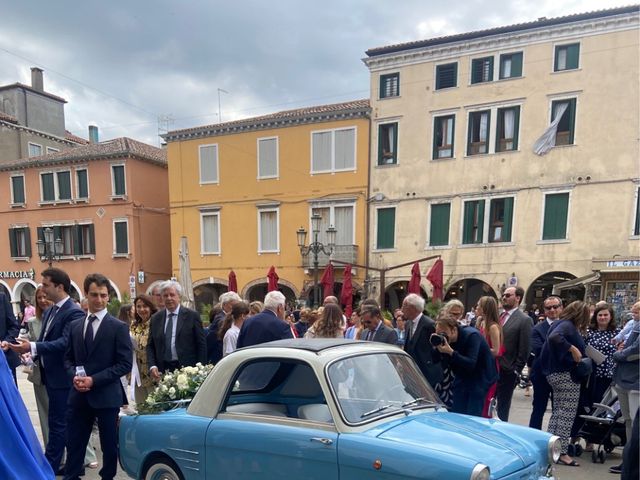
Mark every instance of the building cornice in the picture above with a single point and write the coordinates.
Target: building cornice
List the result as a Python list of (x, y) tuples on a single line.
[(38, 133), (268, 122), (504, 41)]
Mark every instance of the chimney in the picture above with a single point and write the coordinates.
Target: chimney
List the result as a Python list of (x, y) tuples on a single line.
[(93, 134), (36, 79)]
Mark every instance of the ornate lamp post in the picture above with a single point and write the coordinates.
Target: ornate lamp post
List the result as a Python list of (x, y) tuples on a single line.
[(50, 249), (315, 247)]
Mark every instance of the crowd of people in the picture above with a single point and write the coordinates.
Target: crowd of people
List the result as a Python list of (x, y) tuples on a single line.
[(85, 365)]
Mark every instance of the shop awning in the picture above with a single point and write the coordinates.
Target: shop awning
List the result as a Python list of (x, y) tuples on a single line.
[(590, 278)]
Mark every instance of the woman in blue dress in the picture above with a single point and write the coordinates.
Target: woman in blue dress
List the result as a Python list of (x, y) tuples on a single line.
[(17, 436)]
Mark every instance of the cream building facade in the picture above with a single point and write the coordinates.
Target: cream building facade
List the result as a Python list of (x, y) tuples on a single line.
[(455, 121)]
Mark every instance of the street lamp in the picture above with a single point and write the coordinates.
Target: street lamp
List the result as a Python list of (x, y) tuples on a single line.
[(50, 249), (315, 247)]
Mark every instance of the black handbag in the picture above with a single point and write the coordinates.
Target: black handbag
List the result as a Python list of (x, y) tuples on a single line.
[(581, 370)]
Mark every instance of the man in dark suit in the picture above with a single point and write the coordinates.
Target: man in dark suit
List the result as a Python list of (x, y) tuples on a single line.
[(418, 330), (214, 344), (101, 345), (9, 330), (516, 332), (176, 337), (49, 351), (268, 325), (376, 330), (541, 388)]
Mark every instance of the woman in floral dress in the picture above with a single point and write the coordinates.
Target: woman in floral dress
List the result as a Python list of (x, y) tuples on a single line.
[(140, 378), (601, 332)]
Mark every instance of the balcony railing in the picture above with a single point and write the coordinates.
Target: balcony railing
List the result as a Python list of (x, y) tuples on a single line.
[(343, 253)]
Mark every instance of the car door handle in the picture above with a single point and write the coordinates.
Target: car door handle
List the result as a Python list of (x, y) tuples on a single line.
[(324, 441)]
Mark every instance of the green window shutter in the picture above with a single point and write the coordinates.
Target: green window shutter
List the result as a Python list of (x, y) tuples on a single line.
[(516, 65), (508, 219), (555, 216), (64, 185), (83, 185), (571, 110), (121, 237), (13, 242), (636, 228), (76, 233), (18, 189), (386, 228), (118, 180), (470, 211), (48, 190), (439, 229), (92, 240), (27, 241), (573, 53), (516, 127), (437, 135), (446, 75)]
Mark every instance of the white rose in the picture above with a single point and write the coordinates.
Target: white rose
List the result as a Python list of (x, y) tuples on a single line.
[(182, 382), (172, 393)]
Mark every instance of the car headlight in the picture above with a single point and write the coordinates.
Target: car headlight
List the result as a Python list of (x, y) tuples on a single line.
[(554, 448), (480, 472)]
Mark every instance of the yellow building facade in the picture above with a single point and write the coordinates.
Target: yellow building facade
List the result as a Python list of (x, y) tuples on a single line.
[(459, 168), (240, 190)]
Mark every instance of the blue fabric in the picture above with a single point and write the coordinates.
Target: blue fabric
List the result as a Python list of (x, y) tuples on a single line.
[(22, 456), (472, 363), (555, 356)]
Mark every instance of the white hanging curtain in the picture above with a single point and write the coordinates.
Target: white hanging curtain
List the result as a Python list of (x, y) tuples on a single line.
[(269, 230), (506, 68), (548, 139), (509, 124), (344, 225)]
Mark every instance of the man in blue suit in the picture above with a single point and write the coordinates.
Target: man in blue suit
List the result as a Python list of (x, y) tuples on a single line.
[(101, 345), (541, 389), (268, 325), (49, 352), (9, 330)]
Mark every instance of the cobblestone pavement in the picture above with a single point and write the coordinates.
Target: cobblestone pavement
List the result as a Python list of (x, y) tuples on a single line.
[(520, 411)]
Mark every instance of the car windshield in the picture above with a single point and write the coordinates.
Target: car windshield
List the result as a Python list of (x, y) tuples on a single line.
[(369, 386)]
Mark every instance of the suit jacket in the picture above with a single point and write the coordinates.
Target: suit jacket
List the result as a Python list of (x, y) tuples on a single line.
[(51, 347), (261, 328), (420, 349), (384, 334), (472, 362), (110, 357), (538, 337), (517, 341), (191, 345), (9, 329), (214, 344)]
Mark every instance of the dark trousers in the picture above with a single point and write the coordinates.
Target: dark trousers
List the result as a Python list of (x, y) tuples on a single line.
[(541, 395), (80, 419), (504, 392), (57, 425), (468, 399)]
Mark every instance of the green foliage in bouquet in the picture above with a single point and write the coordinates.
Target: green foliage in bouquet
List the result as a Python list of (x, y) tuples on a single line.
[(176, 388)]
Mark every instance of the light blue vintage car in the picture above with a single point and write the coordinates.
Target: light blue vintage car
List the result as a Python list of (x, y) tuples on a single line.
[(326, 409)]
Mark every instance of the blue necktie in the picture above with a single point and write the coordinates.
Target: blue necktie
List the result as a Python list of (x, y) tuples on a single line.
[(88, 334)]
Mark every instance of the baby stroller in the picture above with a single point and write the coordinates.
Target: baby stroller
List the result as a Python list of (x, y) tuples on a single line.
[(603, 427)]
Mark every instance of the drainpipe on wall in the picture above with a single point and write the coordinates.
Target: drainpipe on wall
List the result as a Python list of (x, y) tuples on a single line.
[(367, 211)]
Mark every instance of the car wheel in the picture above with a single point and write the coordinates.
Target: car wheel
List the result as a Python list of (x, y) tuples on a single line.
[(163, 469)]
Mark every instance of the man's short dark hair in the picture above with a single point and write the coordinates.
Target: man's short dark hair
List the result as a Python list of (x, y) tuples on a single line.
[(97, 278), (520, 293), (58, 277), (373, 310)]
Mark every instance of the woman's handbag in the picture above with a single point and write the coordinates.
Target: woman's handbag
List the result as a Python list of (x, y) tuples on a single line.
[(581, 370)]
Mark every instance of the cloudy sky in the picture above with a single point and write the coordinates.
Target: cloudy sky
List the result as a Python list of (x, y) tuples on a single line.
[(122, 65)]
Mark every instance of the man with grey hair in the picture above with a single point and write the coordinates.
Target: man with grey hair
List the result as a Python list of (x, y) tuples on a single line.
[(214, 344), (418, 330), (176, 336), (267, 325)]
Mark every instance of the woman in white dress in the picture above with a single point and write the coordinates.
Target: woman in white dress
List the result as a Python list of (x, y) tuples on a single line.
[(230, 328)]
